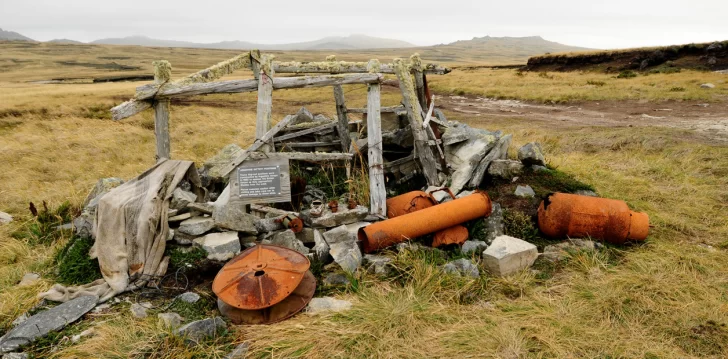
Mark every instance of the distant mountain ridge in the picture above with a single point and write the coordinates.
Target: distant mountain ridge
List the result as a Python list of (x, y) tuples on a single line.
[(13, 36)]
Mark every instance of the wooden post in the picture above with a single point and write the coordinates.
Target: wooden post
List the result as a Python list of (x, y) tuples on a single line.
[(423, 151), (343, 125), (162, 73), (265, 99), (419, 75), (377, 190)]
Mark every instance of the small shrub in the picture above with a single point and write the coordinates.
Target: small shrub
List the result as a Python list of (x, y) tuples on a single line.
[(677, 89), (42, 229), (596, 83), (627, 74), (74, 266), (98, 111), (546, 75), (518, 224)]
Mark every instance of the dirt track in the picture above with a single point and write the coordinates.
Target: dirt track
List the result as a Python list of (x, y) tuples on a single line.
[(709, 121)]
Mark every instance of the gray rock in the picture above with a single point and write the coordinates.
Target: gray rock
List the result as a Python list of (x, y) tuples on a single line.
[(181, 198), (214, 166), (524, 192), (189, 297), (321, 247), (239, 352), (457, 133), (583, 192), (20, 319), (100, 308), (303, 115), (29, 279), (508, 255), (220, 246), (170, 235), (84, 225), (438, 193), (408, 246), (474, 246), (102, 187), (330, 220), (344, 248), (183, 239), (84, 334), (464, 158), (560, 251), (494, 224), (312, 193), (463, 267), (232, 216), (288, 239), (196, 226), (336, 279), (206, 208), (15, 356), (63, 227), (306, 236), (46, 321), (707, 86), (539, 169), (169, 320), (377, 264), (268, 225), (499, 152), (138, 311), (716, 46), (201, 329), (532, 154), (326, 305), (402, 137), (505, 169), (179, 217)]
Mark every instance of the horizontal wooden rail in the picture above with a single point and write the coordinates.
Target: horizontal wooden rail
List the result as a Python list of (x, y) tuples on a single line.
[(395, 109), (345, 67)]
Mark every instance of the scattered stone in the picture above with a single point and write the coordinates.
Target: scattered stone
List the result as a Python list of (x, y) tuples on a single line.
[(84, 334), (65, 227), (232, 216), (707, 86), (330, 220), (583, 192), (102, 187), (239, 352), (183, 239), (321, 247), (20, 319), (220, 246), (180, 217), (336, 279), (499, 152), (170, 234), (327, 304), (465, 157), (303, 115), (138, 311), (344, 248), (494, 224), (29, 279), (306, 235), (169, 320), (408, 246), (196, 226), (560, 251), (463, 267), (505, 169), (539, 169), (456, 134), (206, 208), (84, 225), (288, 239), (201, 329), (100, 308), (15, 356), (379, 265), (474, 246), (189, 297), (525, 192), (47, 321), (532, 154), (181, 198), (508, 255)]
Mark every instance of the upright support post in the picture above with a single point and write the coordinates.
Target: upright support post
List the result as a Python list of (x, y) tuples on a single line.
[(343, 125), (419, 75), (265, 99), (162, 73), (377, 190), (423, 151)]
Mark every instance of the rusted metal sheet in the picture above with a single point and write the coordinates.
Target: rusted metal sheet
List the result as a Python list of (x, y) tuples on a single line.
[(292, 222), (260, 276), (564, 215), (289, 306), (408, 203), (453, 235), (412, 225)]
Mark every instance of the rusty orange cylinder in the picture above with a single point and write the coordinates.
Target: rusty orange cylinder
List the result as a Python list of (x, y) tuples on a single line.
[(416, 224), (564, 215), (408, 203), (454, 235)]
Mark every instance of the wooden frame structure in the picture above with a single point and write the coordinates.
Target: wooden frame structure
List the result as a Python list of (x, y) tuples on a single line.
[(333, 73)]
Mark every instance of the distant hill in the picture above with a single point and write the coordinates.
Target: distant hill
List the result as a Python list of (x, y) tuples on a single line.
[(333, 42), (503, 49), (13, 36), (65, 41)]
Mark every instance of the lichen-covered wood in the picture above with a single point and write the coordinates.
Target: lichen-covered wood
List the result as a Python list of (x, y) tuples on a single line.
[(377, 190), (162, 74), (265, 102), (337, 67), (342, 118), (417, 72)]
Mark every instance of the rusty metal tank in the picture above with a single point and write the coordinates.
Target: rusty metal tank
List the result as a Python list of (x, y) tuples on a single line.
[(408, 203), (563, 215), (454, 235)]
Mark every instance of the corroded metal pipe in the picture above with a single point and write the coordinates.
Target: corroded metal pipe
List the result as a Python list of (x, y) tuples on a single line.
[(408, 203), (416, 224), (563, 215)]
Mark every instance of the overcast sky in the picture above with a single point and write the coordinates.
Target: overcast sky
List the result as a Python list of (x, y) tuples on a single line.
[(587, 23)]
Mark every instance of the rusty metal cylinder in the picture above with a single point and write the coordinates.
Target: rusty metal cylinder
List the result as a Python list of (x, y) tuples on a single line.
[(408, 203), (416, 224), (564, 215)]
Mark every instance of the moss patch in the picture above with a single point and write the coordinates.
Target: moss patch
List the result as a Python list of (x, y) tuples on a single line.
[(74, 266)]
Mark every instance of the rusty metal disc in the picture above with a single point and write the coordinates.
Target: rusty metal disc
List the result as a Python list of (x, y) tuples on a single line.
[(289, 306), (260, 276)]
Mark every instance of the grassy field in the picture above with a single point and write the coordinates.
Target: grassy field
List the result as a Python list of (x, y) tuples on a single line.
[(666, 298)]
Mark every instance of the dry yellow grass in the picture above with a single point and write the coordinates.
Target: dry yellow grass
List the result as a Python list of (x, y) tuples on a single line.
[(663, 299)]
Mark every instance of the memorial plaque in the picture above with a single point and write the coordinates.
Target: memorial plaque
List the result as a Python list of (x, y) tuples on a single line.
[(261, 181)]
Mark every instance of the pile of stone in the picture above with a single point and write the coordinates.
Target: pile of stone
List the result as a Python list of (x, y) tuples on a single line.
[(307, 132)]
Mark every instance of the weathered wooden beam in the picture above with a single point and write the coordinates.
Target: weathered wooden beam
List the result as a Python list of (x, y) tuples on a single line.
[(399, 161), (162, 73), (308, 131), (340, 67), (305, 144), (417, 72), (304, 156), (377, 190), (423, 151), (343, 119), (128, 109), (265, 101), (394, 109)]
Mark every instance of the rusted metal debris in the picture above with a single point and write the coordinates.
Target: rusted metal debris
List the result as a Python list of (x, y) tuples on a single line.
[(408, 203), (289, 306), (416, 224), (292, 222), (454, 235), (563, 215), (334, 206), (260, 277)]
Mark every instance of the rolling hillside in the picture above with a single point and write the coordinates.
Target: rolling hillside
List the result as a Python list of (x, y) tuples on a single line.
[(13, 36)]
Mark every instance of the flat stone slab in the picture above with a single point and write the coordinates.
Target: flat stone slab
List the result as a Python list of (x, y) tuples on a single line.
[(232, 216), (181, 198), (508, 255), (505, 169), (201, 329), (326, 305), (196, 226), (343, 247), (524, 192), (5, 218), (220, 246), (330, 220), (288, 239), (47, 321)]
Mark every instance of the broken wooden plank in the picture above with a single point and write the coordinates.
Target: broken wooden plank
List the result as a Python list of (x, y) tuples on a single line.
[(340, 67), (238, 159), (377, 190), (343, 120), (305, 144), (162, 73), (399, 161), (426, 122), (128, 109), (416, 65), (394, 109), (311, 130), (424, 153), (265, 101)]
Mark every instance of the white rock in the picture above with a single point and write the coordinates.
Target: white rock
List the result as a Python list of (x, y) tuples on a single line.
[(239, 352), (189, 297), (707, 86), (29, 279), (196, 226), (531, 154), (330, 220), (5, 218), (464, 158), (220, 246), (508, 255), (15, 356), (138, 311), (321, 247), (378, 264), (525, 192), (505, 169), (170, 235), (463, 267), (326, 305), (169, 320), (344, 248), (181, 198), (84, 334), (474, 246), (288, 239)]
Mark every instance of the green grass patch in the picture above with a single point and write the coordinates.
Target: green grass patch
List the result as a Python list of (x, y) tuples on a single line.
[(73, 264), (188, 257), (626, 74), (42, 229)]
